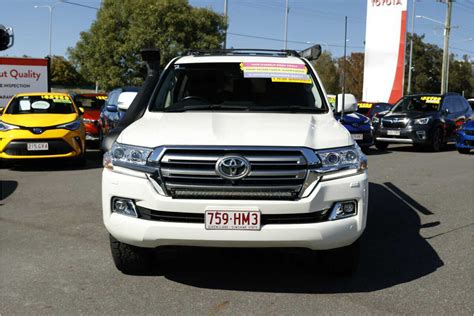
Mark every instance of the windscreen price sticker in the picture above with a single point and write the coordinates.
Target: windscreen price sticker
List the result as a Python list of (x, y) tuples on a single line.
[(431, 99), (277, 72)]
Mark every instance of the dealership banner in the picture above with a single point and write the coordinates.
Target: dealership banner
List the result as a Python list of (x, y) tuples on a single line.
[(384, 50), (19, 75)]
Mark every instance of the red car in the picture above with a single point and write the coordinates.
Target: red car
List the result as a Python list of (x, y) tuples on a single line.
[(370, 109), (92, 103)]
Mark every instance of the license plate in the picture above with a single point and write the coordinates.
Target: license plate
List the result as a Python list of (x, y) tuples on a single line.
[(232, 220), (37, 146), (393, 133), (358, 136)]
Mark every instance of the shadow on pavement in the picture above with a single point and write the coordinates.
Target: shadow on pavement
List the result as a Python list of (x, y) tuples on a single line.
[(94, 161), (393, 252), (7, 187)]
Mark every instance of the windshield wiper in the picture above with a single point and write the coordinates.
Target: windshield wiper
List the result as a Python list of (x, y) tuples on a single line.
[(200, 107)]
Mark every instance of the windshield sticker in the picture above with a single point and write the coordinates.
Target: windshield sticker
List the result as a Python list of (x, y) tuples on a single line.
[(25, 105), (54, 97), (101, 97), (40, 105), (62, 101), (432, 100), (365, 105), (278, 72)]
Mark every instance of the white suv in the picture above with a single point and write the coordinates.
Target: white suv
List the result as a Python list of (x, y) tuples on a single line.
[(236, 149)]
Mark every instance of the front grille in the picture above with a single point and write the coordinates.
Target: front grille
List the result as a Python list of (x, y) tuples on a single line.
[(274, 174), (55, 147), (175, 217), (394, 124), (469, 132), (469, 143)]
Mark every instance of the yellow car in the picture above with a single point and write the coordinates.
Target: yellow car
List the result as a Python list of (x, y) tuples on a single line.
[(42, 125)]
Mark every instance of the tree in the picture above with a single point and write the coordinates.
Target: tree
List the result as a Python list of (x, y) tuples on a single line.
[(460, 76), (326, 67), (109, 51), (354, 73), (64, 74)]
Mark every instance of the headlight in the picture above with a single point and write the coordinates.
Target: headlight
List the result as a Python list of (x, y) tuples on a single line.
[(6, 127), (367, 121), (125, 155), (72, 126), (342, 159), (375, 120), (422, 121)]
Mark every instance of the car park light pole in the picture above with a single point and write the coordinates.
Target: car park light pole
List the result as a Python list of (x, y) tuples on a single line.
[(50, 8), (410, 67)]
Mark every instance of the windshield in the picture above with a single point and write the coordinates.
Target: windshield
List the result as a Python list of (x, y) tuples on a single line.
[(90, 101), (41, 104), (418, 104), (232, 86)]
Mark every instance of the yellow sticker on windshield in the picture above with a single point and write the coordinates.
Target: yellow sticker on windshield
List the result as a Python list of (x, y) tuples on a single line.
[(364, 105), (101, 97), (431, 99), (292, 80), (54, 97)]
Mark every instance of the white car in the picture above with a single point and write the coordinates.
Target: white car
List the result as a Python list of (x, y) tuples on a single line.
[(236, 149)]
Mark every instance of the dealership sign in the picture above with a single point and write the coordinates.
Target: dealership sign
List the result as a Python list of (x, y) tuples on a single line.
[(384, 50), (19, 75)]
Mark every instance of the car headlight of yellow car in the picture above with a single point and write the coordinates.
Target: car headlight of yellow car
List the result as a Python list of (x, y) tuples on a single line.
[(6, 127), (72, 126)]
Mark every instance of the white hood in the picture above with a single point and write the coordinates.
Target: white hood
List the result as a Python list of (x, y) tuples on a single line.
[(236, 129)]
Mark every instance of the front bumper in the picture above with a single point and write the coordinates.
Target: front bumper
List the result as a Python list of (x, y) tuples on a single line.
[(13, 144), (464, 141), (148, 233), (92, 131), (421, 135)]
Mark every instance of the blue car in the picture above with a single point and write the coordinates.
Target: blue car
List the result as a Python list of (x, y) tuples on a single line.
[(465, 138), (360, 128)]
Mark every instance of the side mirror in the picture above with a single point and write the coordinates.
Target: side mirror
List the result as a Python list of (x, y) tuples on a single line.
[(111, 108), (81, 110), (350, 103), (445, 111), (125, 99)]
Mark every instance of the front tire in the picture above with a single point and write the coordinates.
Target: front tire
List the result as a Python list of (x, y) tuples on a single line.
[(342, 261), (381, 145), (436, 140), (130, 259), (463, 151)]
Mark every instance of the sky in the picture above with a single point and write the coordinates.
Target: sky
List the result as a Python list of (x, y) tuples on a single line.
[(252, 24)]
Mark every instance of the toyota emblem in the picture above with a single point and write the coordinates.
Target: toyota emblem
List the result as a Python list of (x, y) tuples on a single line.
[(37, 130), (232, 167)]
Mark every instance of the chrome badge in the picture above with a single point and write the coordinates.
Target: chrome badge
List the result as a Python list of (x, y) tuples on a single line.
[(233, 167)]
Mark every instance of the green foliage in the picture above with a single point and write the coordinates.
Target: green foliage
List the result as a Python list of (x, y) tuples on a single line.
[(64, 74), (426, 74), (325, 65), (109, 51), (354, 73)]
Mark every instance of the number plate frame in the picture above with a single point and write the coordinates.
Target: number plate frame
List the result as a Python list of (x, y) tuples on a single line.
[(358, 136), (393, 133)]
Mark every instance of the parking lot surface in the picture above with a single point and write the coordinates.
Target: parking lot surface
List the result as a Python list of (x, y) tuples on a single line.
[(416, 256)]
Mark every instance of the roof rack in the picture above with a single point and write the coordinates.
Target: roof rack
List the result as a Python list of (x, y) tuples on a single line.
[(244, 52)]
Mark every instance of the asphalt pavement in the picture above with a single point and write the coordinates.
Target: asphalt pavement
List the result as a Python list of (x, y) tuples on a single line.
[(417, 251)]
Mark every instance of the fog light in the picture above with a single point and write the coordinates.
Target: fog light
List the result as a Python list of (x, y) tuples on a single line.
[(421, 134), (124, 207), (343, 209)]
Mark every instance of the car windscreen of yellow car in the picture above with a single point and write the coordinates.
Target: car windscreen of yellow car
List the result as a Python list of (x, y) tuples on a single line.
[(40, 111)]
